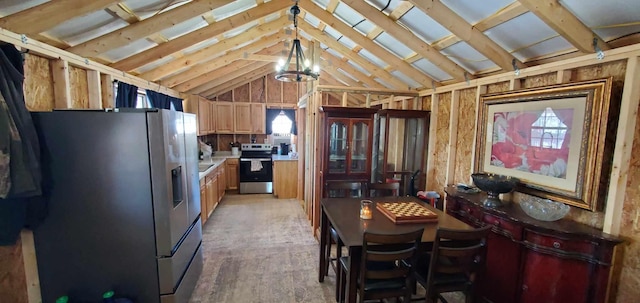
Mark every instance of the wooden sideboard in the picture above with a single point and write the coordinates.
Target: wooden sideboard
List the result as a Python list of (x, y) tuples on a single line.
[(536, 261)]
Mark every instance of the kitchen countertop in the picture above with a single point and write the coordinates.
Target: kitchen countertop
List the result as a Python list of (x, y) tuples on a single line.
[(218, 158), (283, 158)]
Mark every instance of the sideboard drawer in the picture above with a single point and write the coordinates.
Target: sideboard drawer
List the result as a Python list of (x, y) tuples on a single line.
[(564, 247), (504, 227)]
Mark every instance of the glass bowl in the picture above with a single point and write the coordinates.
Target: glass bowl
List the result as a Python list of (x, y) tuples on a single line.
[(544, 209)]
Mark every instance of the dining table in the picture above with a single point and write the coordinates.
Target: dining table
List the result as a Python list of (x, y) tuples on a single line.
[(343, 214)]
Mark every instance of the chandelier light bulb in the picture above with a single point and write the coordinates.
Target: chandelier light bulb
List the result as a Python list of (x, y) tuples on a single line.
[(307, 63), (316, 69)]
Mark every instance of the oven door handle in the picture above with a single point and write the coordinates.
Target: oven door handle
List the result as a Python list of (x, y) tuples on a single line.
[(254, 159)]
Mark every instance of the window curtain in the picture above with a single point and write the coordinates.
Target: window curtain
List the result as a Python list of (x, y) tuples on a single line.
[(271, 115), (20, 174), (160, 100), (127, 95)]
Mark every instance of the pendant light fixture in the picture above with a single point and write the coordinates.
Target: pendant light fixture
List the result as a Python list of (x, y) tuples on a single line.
[(303, 70)]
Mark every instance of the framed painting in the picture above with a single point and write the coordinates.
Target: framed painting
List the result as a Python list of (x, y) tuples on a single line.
[(557, 140)]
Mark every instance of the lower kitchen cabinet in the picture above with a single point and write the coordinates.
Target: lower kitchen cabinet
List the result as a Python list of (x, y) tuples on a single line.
[(536, 261), (232, 165), (285, 179), (204, 213), (222, 182)]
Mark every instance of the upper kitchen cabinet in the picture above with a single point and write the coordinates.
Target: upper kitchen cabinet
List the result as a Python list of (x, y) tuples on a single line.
[(250, 118), (225, 117), (203, 110), (347, 141)]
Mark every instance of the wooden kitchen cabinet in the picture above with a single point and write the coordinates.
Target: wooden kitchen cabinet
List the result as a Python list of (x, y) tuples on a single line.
[(242, 121), (258, 118), (203, 202), (212, 114), (211, 188), (202, 108), (536, 261), (285, 179), (225, 117), (222, 182), (232, 173)]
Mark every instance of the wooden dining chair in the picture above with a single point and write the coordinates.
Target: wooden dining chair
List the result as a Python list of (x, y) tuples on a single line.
[(386, 267), (383, 189), (339, 189), (457, 257)]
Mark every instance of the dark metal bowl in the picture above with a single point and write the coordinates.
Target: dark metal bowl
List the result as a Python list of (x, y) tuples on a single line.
[(494, 185)]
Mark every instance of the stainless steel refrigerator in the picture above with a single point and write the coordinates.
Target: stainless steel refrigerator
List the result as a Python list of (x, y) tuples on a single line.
[(124, 205)]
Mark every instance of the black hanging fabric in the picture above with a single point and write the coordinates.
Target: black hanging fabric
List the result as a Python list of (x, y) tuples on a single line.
[(160, 100), (291, 114), (127, 95), (20, 173), (271, 115)]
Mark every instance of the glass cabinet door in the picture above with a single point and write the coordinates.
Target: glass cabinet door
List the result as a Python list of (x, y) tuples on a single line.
[(338, 146), (359, 146)]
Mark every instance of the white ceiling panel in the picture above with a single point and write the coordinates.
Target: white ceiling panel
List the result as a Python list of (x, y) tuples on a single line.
[(13, 6), (198, 46), (147, 67), (473, 11), (467, 57), (347, 74), (184, 27), (233, 8), (81, 29), (618, 14), (240, 29), (373, 59), (406, 79), (387, 5), (389, 42), (358, 67), (546, 47), (384, 83), (520, 32), (321, 3), (423, 26), (430, 69), (126, 51), (312, 20)]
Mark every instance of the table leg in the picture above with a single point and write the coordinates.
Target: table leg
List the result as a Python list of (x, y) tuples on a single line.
[(324, 227), (355, 254)]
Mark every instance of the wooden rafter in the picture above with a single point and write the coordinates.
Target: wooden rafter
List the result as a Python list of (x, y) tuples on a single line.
[(145, 27), (123, 12), (565, 23), (224, 79), (348, 68), (364, 63), (368, 90), (217, 49), (385, 55), (197, 36), (461, 28), (249, 76), (408, 38), (223, 60), (49, 14)]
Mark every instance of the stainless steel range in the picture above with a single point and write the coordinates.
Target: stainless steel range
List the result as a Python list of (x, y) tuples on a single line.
[(256, 170)]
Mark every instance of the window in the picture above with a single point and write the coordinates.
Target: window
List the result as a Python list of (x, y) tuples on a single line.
[(281, 124), (548, 131), (142, 100)]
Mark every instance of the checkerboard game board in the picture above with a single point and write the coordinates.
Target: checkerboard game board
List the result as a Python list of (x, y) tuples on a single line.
[(406, 212)]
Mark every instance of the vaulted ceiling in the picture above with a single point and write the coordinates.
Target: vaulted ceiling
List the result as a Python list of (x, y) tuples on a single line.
[(207, 47)]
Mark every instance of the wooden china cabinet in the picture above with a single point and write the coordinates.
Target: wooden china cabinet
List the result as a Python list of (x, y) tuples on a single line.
[(536, 261), (346, 141)]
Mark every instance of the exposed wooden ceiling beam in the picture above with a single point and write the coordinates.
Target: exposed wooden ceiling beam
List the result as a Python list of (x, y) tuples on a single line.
[(348, 68), (467, 32), (211, 51), (408, 38), (223, 60), (123, 12), (385, 55), (145, 27), (197, 36), (368, 90), (333, 4), (223, 79), (210, 80), (341, 76), (565, 23), (402, 8), (364, 63), (249, 76), (49, 14)]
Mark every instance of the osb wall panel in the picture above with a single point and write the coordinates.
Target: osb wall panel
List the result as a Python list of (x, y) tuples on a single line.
[(224, 142), (437, 182), (497, 87), (274, 89), (79, 87), (465, 139), (610, 69), (426, 103), (332, 100), (228, 96), (540, 80), (629, 288), (241, 94), (38, 84), (290, 92), (257, 90), (13, 284)]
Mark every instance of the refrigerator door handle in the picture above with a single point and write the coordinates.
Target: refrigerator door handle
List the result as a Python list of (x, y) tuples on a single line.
[(176, 184)]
